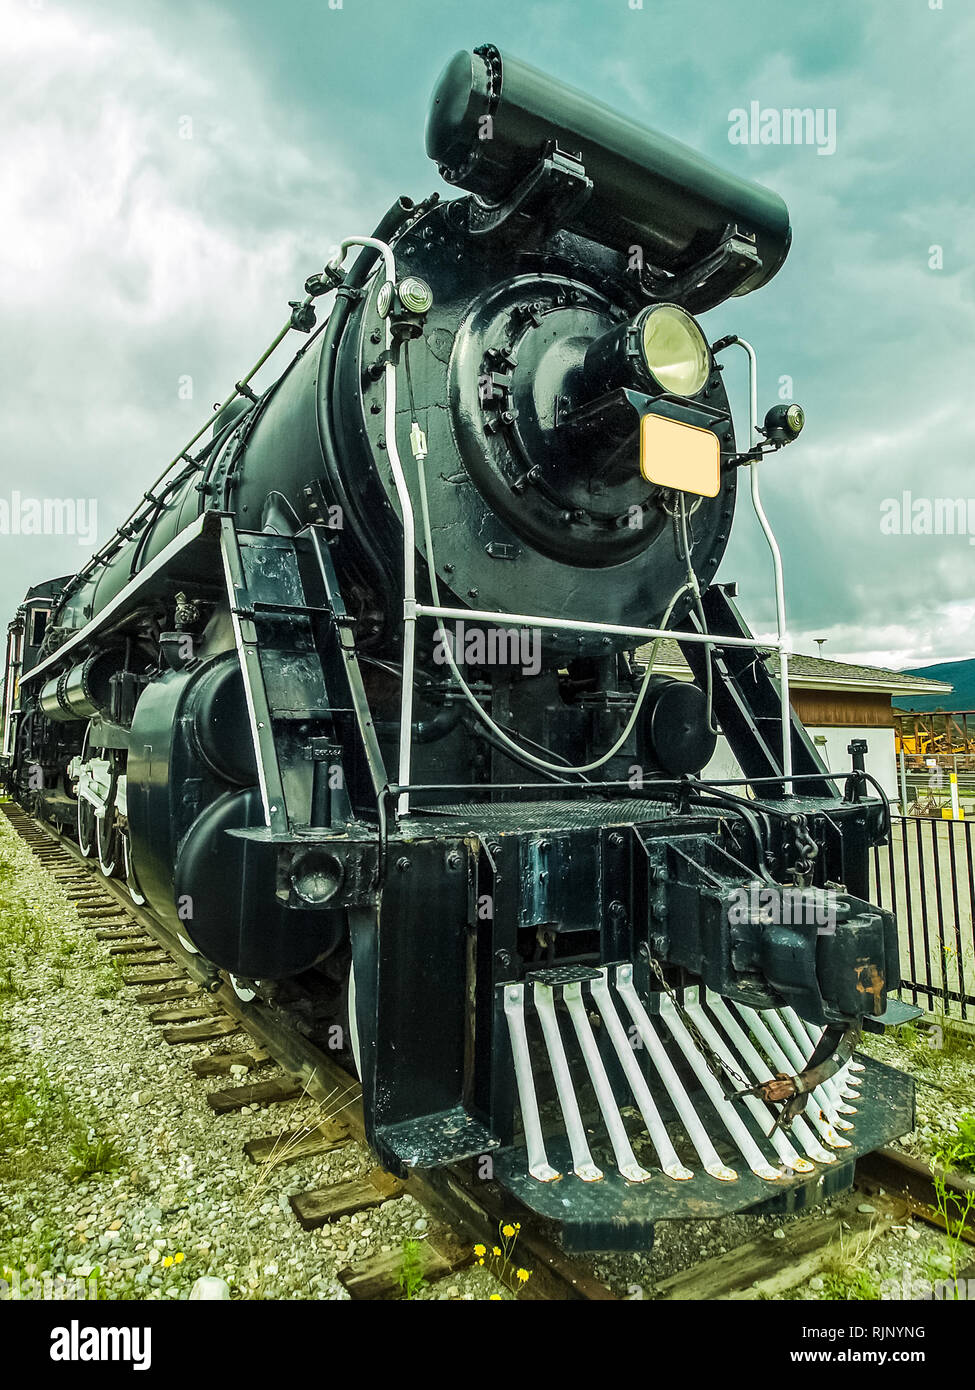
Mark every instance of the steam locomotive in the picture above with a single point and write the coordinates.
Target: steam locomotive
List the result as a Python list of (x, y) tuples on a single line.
[(363, 693)]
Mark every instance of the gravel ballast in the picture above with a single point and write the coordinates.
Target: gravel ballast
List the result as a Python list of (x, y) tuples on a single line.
[(86, 1080), (79, 1059)]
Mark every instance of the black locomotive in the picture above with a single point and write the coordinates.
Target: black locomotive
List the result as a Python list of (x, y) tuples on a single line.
[(363, 693)]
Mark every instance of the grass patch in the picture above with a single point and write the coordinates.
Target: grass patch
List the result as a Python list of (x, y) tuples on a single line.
[(410, 1275), (955, 1151), (853, 1286), (91, 1153), (965, 1149), (28, 938), (106, 979), (39, 1126), (845, 1275)]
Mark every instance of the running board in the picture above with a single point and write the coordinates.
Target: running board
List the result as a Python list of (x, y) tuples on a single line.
[(640, 1129)]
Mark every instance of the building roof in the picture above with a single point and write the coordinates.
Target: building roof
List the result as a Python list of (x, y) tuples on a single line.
[(814, 673)]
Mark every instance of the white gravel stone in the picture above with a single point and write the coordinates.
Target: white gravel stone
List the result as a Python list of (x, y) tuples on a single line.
[(209, 1287)]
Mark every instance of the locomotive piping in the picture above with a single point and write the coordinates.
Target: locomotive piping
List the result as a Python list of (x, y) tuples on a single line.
[(481, 713)]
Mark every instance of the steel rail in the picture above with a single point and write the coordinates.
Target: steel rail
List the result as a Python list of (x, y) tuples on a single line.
[(452, 1195)]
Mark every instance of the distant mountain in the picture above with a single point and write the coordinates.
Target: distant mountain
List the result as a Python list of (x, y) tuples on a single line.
[(960, 674)]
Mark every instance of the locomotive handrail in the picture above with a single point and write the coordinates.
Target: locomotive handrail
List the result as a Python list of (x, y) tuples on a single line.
[(754, 438), (665, 784), (430, 610), (409, 522)]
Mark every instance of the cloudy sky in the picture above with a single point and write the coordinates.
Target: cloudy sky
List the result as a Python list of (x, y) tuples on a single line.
[(171, 172)]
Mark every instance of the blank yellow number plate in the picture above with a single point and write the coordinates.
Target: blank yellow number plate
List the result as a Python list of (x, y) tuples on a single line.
[(680, 456)]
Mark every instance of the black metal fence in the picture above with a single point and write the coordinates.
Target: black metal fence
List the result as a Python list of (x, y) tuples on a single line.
[(925, 876)]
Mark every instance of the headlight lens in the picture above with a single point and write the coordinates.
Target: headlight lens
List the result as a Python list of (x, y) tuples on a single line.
[(675, 350)]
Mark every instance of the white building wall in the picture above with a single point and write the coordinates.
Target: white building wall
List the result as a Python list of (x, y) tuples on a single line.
[(881, 759), (880, 762)]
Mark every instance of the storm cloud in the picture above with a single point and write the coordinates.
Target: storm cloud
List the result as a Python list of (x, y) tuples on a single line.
[(170, 176)]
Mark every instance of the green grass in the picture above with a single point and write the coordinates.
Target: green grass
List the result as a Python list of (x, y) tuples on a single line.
[(410, 1276), (36, 1113), (40, 1127), (965, 1153), (851, 1286), (34, 1255), (90, 1154), (955, 1151), (933, 1042), (106, 980)]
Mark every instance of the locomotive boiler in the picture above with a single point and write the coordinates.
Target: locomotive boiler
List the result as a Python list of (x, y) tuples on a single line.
[(363, 693)]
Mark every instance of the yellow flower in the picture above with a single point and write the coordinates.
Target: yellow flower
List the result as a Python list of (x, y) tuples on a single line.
[(167, 1261), (495, 1298), (517, 1225), (480, 1250), (522, 1275), (507, 1231), (179, 1257), (496, 1250), (481, 1261)]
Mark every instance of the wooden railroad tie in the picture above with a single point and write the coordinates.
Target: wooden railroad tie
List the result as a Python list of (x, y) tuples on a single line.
[(182, 989), (120, 933), (766, 1266), (314, 1209), (279, 1088), (189, 1015), (292, 1144), (218, 1027), (378, 1277), (219, 1063), (164, 976)]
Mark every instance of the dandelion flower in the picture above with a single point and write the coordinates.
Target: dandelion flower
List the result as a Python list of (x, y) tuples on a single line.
[(522, 1275), (480, 1249), (179, 1257), (495, 1298), (496, 1250), (481, 1261), (167, 1261), (508, 1231)]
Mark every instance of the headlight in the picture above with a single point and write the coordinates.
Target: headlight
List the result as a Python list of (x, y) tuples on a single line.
[(675, 350)]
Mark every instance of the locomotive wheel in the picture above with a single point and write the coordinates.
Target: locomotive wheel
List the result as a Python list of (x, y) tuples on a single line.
[(108, 835), (352, 1023), (87, 826), (243, 992), (86, 811), (108, 839), (131, 882)]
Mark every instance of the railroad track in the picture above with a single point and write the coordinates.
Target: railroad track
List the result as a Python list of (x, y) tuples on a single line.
[(192, 1004)]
